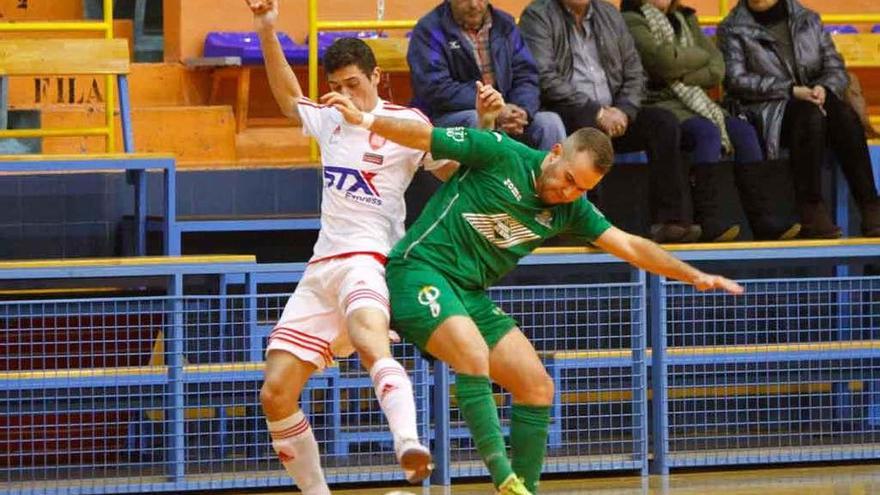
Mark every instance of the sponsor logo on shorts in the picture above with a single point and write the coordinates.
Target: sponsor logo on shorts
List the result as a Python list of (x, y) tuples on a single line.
[(428, 296)]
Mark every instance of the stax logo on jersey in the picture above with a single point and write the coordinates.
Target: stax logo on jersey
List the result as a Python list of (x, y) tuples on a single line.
[(357, 184)]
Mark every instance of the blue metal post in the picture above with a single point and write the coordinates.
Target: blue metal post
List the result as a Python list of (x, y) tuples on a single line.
[(640, 369), (841, 199), (137, 177), (442, 464), (170, 233), (659, 406), (4, 102), (125, 114), (174, 358)]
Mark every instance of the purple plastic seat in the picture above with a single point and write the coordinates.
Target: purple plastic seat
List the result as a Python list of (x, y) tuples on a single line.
[(710, 30), (247, 46), (876, 28), (840, 29)]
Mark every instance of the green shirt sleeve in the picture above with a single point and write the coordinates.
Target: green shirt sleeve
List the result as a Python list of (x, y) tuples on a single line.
[(586, 221), (474, 147)]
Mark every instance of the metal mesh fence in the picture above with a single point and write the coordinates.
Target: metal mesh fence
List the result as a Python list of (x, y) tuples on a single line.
[(585, 335), (163, 394), (787, 372)]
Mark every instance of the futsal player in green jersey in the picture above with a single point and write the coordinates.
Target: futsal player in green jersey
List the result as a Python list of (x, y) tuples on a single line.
[(502, 203)]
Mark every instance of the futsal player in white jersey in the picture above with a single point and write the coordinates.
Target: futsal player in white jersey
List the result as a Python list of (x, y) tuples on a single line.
[(341, 303)]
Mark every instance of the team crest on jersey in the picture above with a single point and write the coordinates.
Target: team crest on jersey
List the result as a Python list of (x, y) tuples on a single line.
[(377, 141), (357, 184), (500, 229), (545, 218), (373, 158)]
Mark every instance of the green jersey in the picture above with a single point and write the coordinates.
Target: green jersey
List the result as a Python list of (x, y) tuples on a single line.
[(488, 215)]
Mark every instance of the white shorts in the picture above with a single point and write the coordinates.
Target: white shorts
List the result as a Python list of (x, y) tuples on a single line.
[(312, 326)]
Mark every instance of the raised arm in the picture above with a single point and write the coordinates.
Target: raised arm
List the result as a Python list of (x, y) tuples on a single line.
[(642, 253), (282, 81)]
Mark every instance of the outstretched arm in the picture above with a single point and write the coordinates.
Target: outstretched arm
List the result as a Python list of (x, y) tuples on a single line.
[(413, 133), (649, 256), (282, 81)]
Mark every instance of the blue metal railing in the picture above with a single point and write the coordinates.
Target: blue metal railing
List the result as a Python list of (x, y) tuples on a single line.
[(160, 393)]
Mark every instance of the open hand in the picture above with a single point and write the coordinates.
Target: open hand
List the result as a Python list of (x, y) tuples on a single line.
[(706, 282), (352, 114)]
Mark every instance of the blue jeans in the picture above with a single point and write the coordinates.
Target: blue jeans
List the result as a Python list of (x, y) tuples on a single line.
[(545, 129), (702, 140)]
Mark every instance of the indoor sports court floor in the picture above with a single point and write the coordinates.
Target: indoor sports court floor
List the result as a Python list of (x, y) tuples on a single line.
[(832, 480)]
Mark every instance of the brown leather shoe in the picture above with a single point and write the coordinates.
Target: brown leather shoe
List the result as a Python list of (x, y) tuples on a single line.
[(670, 233), (871, 219), (816, 222)]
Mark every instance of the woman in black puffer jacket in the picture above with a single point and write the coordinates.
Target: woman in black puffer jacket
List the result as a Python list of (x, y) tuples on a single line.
[(785, 72)]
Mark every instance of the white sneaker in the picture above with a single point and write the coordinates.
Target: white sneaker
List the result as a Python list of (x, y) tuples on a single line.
[(414, 458)]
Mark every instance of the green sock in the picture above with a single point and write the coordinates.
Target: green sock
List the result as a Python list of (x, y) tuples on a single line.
[(474, 394), (528, 442)]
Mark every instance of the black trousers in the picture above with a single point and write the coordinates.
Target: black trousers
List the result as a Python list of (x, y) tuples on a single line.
[(807, 133), (656, 132)]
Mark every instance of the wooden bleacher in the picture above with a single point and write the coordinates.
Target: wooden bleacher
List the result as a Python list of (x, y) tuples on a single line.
[(170, 96)]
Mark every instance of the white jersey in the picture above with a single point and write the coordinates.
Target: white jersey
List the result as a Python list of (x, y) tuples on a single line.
[(364, 176)]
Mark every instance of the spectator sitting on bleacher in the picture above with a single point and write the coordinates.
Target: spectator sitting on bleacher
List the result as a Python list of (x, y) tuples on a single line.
[(464, 41), (681, 63), (789, 78), (590, 73)]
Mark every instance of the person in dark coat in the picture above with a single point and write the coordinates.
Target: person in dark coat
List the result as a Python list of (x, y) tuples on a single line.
[(681, 63), (785, 72), (591, 74)]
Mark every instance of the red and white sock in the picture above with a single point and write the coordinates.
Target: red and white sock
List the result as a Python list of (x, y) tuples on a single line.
[(294, 442), (395, 393)]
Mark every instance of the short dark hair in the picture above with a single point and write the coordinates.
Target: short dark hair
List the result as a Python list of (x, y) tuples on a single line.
[(594, 141), (349, 51)]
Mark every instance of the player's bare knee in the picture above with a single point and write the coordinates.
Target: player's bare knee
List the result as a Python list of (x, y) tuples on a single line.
[(544, 390), (538, 390), (472, 361), (275, 393)]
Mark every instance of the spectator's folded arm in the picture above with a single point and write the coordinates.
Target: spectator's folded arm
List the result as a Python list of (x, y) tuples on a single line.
[(629, 97), (431, 79), (745, 85), (555, 89), (833, 76), (665, 61), (525, 91)]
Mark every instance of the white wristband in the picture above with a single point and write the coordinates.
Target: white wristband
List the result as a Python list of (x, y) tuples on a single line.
[(367, 121)]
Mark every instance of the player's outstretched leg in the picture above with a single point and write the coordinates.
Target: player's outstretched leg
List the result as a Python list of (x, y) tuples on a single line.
[(292, 436), (368, 331), (516, 367)]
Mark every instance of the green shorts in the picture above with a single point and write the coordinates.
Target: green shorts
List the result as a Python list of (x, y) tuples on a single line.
[(422, 298)]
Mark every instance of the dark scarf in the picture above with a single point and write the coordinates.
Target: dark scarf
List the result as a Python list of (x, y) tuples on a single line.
[(773, 15)]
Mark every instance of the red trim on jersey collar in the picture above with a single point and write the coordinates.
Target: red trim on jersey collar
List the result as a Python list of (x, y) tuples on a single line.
[(377, 256)]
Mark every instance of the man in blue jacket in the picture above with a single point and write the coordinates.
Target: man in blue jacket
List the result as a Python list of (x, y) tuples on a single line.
[(463, 41)]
